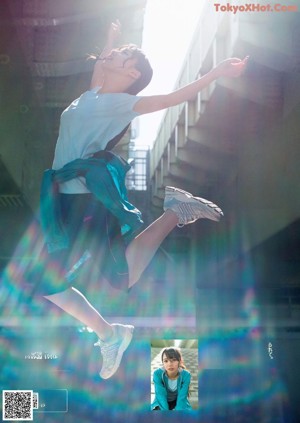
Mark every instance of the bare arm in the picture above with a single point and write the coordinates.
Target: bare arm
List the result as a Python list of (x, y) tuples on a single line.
[(113, 33), (231, 68)]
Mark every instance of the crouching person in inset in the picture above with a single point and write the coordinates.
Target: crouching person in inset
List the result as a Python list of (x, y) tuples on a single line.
[(171, 382)]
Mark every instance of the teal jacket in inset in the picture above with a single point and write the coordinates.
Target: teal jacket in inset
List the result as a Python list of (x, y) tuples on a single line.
[(160, 385), (105, 179)]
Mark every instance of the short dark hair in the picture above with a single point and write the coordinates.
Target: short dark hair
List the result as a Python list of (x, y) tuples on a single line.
[(142, 65)]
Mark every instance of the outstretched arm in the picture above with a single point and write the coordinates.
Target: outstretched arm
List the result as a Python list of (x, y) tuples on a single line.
[(113, 33), (160, 391), (231, 68)]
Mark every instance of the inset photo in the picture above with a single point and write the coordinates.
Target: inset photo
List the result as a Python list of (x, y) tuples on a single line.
[(174, 374)]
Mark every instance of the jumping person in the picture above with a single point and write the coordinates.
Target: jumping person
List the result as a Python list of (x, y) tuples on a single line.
[(88, 181), (171, 382)]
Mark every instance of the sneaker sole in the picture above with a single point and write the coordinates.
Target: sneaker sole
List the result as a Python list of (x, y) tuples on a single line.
[(123, 347), (215, 213)]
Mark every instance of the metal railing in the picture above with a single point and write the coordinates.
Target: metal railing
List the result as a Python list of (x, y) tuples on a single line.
[(212, 41)]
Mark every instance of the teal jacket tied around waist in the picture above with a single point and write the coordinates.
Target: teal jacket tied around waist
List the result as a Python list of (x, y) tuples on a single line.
[(105, 179)]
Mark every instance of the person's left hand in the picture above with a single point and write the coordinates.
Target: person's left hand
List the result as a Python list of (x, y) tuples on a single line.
[(114, 31), (231, 68)]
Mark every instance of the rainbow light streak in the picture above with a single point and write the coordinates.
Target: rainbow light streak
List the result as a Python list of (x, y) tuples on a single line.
[(218, 349), (78, 366)]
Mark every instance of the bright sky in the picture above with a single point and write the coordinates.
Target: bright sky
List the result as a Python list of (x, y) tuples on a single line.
[(168, 29)]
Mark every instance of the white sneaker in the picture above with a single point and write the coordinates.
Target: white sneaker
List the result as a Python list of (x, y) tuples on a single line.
[(189, 208), (112, 350)]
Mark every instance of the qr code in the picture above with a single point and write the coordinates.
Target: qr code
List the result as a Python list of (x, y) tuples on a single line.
[(17, 405)]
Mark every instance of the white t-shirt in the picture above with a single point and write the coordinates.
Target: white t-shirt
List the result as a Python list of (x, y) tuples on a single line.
[(87, 125)]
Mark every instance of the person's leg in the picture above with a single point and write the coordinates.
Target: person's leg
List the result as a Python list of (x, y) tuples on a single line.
[(141, 250), (181, 208), (113, 339), (138, 254), (74, 303)]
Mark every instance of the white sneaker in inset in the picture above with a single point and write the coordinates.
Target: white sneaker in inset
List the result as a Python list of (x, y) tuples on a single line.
[(189, 208), (112, 350)]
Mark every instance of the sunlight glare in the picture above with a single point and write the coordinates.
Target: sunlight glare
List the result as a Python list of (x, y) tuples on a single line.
[(168, 30)]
